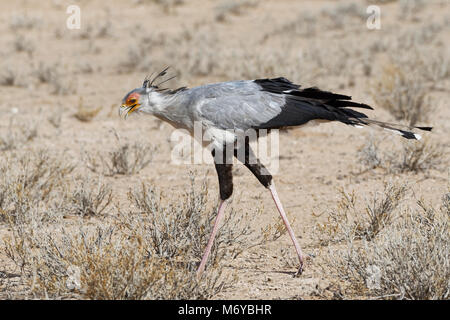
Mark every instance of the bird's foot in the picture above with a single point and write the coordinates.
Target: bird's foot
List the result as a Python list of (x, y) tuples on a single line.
[(299, 271)]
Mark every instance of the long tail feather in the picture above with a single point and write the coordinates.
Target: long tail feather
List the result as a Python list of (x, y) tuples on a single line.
[(403, 130)]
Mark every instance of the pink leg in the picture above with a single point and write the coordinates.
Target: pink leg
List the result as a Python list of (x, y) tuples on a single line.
[(275, 198), (221, 210)]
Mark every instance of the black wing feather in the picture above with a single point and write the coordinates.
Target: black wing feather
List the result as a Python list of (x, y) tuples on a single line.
[(303, 105)]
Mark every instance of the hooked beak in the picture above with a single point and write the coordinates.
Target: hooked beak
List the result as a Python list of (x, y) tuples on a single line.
[(128, 109)]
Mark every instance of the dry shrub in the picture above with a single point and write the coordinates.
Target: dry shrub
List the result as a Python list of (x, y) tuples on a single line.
[(8, 76), (31, 182), (126, 159), (88, 199), (404, 82), (104, 263), (446, 202), (85, 67), (44, 72), (340, 15), (168, 231), (402, 94), (429, 67), (351, 221), (369, 154), (137, 58), (26, 22), (305, 25), (408, 259), (52, 74), (412, 156), (167, 5), (100, 29), (232, 8), (22, 44), (435, 66), (415, 37), (13, 76), (337, 17), (85, 114), (410, 8), (379, 1), (55, 118), (150, 254), (417, 157), (18, 134)]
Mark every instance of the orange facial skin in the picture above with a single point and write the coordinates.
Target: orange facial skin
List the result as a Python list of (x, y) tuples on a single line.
[(132, 99), (131, 103)]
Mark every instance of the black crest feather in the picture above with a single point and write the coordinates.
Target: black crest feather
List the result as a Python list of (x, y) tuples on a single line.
[(149, 82)]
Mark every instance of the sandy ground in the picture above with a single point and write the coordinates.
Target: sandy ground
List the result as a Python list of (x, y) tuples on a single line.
[(95, 65)]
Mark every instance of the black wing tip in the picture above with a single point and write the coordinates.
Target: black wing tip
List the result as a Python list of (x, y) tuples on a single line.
[(350, 104), (425, 128), (366, 106), (409, 135)]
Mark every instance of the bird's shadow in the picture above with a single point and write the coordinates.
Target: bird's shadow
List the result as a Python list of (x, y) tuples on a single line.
[(291, 273)]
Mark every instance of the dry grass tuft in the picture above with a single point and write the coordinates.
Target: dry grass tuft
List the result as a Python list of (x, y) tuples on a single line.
[(185, 219), (168, 6), (409, 9), (412, 156), (97, 30), (126, 159), (408, 259), (138, 57), (11, 77), (25, 22), (105, 263), (30, 183), (22, 44), (89, 199), (418, 157), (149, 254), (55, 117), (232, 8), (17, 135), (351, 221), (8, 77), (334, 16), (52, 74), (369, 154), (402, 94)]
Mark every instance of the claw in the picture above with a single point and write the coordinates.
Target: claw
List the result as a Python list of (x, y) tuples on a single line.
[(299, 271)]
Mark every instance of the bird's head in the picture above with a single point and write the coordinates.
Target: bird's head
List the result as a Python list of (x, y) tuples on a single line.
[(145, 98), (133, 101)]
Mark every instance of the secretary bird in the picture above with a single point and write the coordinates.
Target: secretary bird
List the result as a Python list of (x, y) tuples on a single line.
[(228, 110)]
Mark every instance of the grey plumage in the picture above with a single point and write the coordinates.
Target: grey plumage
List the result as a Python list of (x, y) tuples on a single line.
[(258, 104)]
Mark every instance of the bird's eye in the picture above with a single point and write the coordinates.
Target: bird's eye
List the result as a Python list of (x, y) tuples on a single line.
[(132, 100)]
